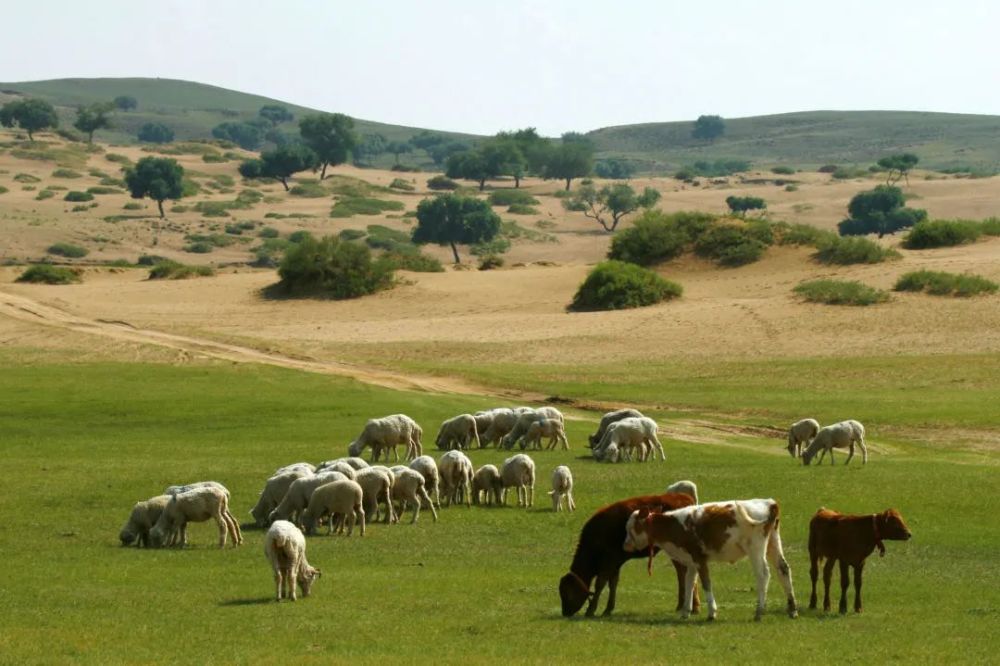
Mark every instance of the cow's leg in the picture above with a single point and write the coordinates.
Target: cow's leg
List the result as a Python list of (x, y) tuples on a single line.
[(689, 580), (776, 556), (813, 575), (858, 568), (827, 576), (612, 592), (844, 583), (706, 584), (681, 572), (763, 574), (599, 584)]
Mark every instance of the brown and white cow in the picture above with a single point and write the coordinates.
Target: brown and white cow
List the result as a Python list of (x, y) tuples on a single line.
[(716, 532)]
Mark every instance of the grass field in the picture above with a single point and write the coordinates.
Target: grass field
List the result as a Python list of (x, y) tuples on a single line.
[(82, 442)]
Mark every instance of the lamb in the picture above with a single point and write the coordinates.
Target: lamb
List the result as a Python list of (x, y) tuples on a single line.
[(377, 486), (550, 428), (432, 481), (295, 466), (455, 470), (297, 497), (800, 434), (285, 548), (502, 421), (837, 436), (386, 434), (486, 485), (196, 506), (686, 487), (272, 494), (341, 501), (142, 518), (608, 419), (354, 462), (409, 488), (631, 432), (518, 471), (458, 432), (562, 486)]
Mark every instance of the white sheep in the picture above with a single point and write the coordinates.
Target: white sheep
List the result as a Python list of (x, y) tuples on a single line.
[(608, 419), (432, 481), (609, 453), (409, 487), (296, 499), (455, 471), (385, 434), (340, 501), (837, 436), (554, 430), (337, 466), (518, 471), (196, 506), (800, 434), (272, 494), (141, 519), (486, 485), (285, 548), (501, 422), (458, 432), (631, 433), (526, 417), (354, 462), (686, 487), (562, 486), (294, 467), (173, 490), (376, 482)]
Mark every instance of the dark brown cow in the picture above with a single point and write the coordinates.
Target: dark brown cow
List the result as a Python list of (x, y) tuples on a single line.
[(849, 540)]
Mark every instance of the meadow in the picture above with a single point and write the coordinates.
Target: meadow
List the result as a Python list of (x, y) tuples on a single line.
[(83, 441)]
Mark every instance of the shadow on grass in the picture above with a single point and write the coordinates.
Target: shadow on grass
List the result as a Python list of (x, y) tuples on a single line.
[(259, 601)]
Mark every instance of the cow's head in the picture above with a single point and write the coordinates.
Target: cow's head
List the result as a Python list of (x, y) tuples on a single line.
[(892, 527), (573, 592), (636, 538)]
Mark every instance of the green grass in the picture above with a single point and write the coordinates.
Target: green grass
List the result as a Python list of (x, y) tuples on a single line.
[(82, 442), (69, 250), (173, 270), (940, 283), (349, 206), (840, 292), (49, 274), (846, 250)]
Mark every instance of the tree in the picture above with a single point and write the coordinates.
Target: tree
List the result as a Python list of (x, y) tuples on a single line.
[(370, 146), (571, 159), (126, 103), (330, 136), (31, 115), (397, 148), (450, 219), (898, 165), (280, 163), (708, 128), (440, 152), (247, 136), (91, 118), (880, 211), (334, 268), (532, 151), (275, 114), (508, 153), (158, 178), (426, 140), (740, 205), (155, 133), (614, 169), (471, 165), (611, 203)]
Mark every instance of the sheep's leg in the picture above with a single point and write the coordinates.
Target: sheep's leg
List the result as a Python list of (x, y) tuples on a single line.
[(279, 583), (827, 576), (416, 508), (530, 492), (850, 453), (858, 568), (570, 504), (565, 441), (776, 556), (659, 447), (291, 577), (845, 582), (359, 513), (223, 529), (864, 451), (427, 498)]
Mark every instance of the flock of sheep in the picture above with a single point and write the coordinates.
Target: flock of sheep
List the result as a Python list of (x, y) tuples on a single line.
[(806, 439)]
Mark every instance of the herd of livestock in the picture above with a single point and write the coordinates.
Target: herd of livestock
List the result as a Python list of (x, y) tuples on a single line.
[(347, 492)]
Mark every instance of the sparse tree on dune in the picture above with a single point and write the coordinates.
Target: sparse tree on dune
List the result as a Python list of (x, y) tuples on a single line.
[(397, 148), (330, 136), (708, 128), (573, 158), (450, 219), (275, 114), (158, 178), (31, 115), (91, 118), (281, 163), (611, 203), (898, 166)]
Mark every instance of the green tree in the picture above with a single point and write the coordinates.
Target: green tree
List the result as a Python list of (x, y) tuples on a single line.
[(281, 163), (614, 169), (158, 178), (898, 166), (708, 128), (740, 205), (369, 147), (611, 203), (247, 136), (426, 140), (531, 152), (879, 211), (31, 115), (397, 148), (275, 114), (330, 136), (91, 118), (573, 158), (334, 268), (440, 152), (471, 165), (155, 133), (126, 103), (450, 219)]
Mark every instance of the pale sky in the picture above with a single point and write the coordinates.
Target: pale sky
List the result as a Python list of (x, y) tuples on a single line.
[(556, 65)]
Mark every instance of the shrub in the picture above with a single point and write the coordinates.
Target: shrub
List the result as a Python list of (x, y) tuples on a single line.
[(173, 270), (656, 237), (617, 285), (351, 206), (945, 284), (490, 261), (26, 178), (331, 268), (840, 292), (119, 159), (498, 245), (237, 228), (79, 208), (68, 250), (413, 260), (400, 184), (112, 182), (828, 168), (941, 233), (511, 197), (782, 170), (97, 189), (847, 173), (199, 247), (351, 234), (308, 191), (132, 205), (268, 232), (66, 173), (852, 250), (730, 245), (213, 158), (800, 234), (3, 190), (76, 196), (441, 183), (49, 274), (521, 209), (385, 238), (714, 169), (990, 226), (44, 194), (150, 260), (299, 236), (791, 188), (405, 168)]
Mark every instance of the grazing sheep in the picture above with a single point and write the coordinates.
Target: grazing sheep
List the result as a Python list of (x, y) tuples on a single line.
[(409, 487), (484, 419), (800, 434), (486, 482), (502, 421), (354, 462), (196, 506), (458, 432), (385, 434), (339, 501), (432, 481), (550, 428), (562, 486), (285, 548), (297, 497), (173, 490), (609, 453), (272, 494), (337, 466), (631, 433), (686, 487), (377, 486), (837, 436), (518, 471), (295, 466), (142, 519), (608, 419), (525, 417), (455, 470)]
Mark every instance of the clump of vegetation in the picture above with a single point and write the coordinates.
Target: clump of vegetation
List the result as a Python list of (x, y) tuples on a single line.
[(441, 183), (76, 196), (783, 170), (413, 260), (348, 206), (150, 260), (618, 285), (715, 169), (352, 234), (879, 211), (44, 194), (657, 237), (800, 234), (49, 274), (98, 189), (332, 268), (117, 158), (26, 178), (730, 245), (840, 292), (849, 173), (3, 190), (112, 182), (512, 197), (400, 184), (237, 228), (68, 250), (173, 270), (497, 245), (268, 232), (521, 209), (490, 262), (939, 283), (308, 191), (942, 233), (66, 173), (828, 168), (990, 226), (852, 250), (132, 205), (385, 238), (741, 205), (205, 243)]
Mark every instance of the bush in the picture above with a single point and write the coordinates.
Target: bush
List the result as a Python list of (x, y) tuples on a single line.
[(351, 206), (828, 168), (112, 182), (441, 183), (617, 285), (800, 234), (840, 292), (385, 238), (308, 191), (76, 196), (400, 184), (213, 158), (946, 284), (173, 270), (199, 247), (66, 173), (3, 190), (49, 274), (44, 194), (351, 234), (791, 188), (511, 197), (783, 170), (150, 260), (730, 245), (714, 169), (656, 237), (521, 209), (132, 205), (413, 260), (845, 250), (490, 261), (332, 268), (26, 178), (990, 226), (404, 168), (299, 236), (118, 159), (97, 189), (68, 250), (498, 245), (268, 232), (941, 233), (237, 228), (847, 173), (79, 208)]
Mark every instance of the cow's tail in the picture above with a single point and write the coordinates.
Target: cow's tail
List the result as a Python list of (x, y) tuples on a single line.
[(772, 517)]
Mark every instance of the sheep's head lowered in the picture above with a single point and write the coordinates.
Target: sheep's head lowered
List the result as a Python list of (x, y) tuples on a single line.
[(307, 576)]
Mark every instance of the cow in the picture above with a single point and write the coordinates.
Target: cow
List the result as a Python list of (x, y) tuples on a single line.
[(715, 532), (850, 540)]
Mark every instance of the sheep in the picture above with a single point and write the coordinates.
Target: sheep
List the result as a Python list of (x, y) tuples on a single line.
[(458, 432), (837, 436), (526, 417), (631, 432), (518, 471), (455, 470), (295, 466), (173, 490), (608, 419), (196, 506), (142, 518), (386, 434), (609, 453), (337, 466), (297, 497), (377, 486), (272, 494), (550, 428), (686, 487), (486, 482), (562, 486), (354, 462), (502, 421), (410, 487), (484, 419), (341, 501), (432, 480), (285, 548), (800, 434)]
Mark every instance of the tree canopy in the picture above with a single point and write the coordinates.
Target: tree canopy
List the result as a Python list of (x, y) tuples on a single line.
[(91, 118), (397, 148), (126, 103), (879, 211), (898, 166), (330, 136), (450, 219), (370, 146), (280, 163), (614, 169), (708, 128), (247, 136), (573, 158), (31, 115), (159, 178), (155, 133), (740, 205), (275, 114), (611, 203), (471, 165)]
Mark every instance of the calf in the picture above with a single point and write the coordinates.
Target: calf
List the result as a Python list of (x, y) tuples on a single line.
[(849, 540), (599, 554), (716, 531)]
